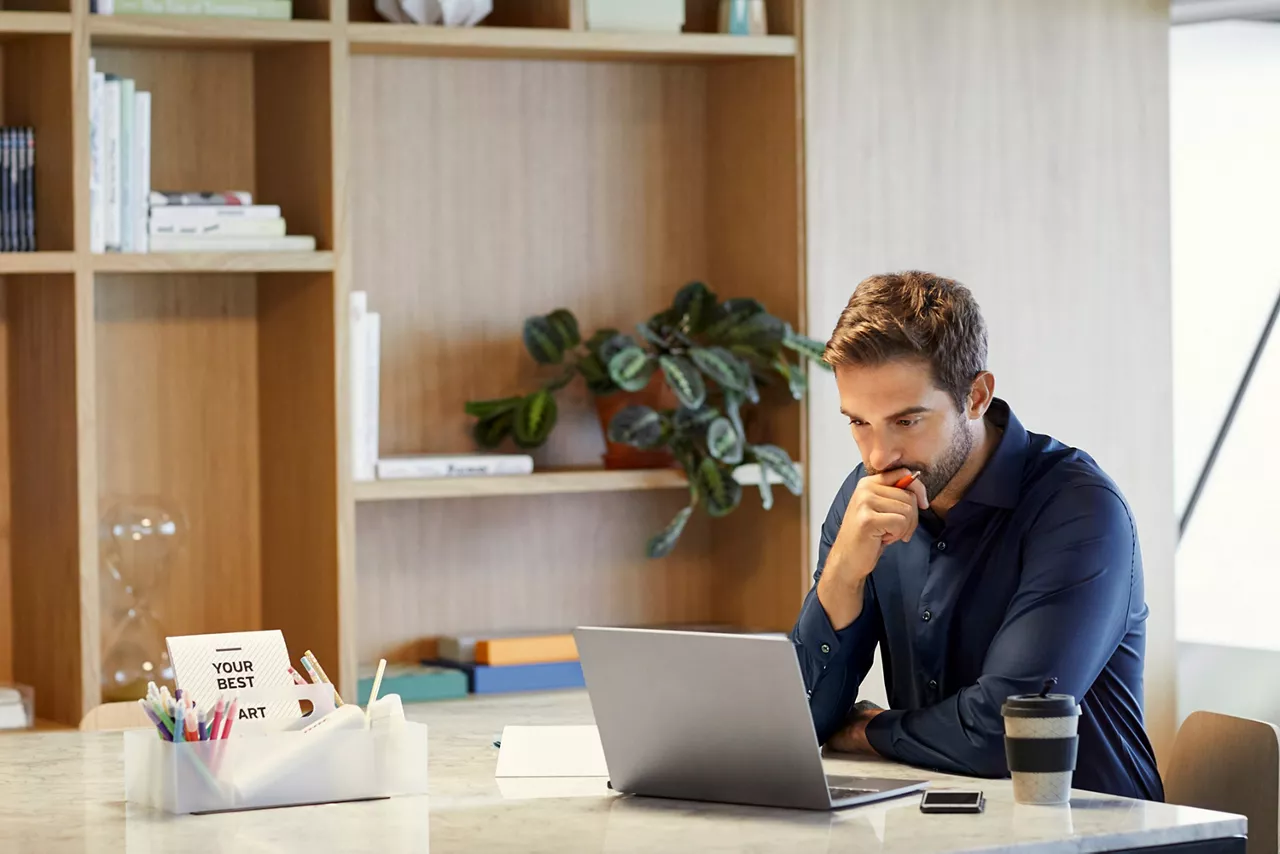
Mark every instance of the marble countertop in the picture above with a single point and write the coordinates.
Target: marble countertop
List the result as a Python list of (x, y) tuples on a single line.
[(64, 791)]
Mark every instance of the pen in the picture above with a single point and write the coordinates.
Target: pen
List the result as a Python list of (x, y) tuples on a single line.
[(165, 733), (297, 677), (324, 677), (218, 708), (907, 480), (229, 719), (179, 728)]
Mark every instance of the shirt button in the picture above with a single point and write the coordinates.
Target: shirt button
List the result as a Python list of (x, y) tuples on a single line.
[(825, 649), (927, 615), (933, 684), (942, 545)]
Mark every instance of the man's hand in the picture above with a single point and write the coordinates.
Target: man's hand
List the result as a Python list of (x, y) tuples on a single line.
[(852, 738), (878, 514)]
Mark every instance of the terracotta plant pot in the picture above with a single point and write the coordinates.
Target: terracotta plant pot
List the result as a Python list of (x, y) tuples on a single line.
[(658, 395)]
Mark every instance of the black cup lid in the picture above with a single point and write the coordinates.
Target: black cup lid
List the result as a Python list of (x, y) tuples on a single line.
[(1042, 705)]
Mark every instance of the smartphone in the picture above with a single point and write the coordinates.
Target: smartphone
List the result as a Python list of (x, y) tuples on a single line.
[(952, 801)]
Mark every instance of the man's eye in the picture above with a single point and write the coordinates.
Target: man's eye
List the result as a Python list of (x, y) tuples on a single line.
[(908, 423)]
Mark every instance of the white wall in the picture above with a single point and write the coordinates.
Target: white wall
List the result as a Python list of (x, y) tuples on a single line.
[(1023, 149), (1225, 144)]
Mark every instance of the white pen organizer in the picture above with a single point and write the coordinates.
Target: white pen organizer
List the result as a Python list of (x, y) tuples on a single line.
[(233, 736), (330, 755)]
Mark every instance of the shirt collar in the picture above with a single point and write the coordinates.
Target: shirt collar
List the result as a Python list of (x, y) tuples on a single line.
[(1000, 482)]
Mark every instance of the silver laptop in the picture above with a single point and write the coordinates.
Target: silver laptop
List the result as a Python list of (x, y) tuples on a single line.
[(709, 716)]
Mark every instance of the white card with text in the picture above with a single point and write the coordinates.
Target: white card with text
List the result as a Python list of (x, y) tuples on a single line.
[(207, 667)]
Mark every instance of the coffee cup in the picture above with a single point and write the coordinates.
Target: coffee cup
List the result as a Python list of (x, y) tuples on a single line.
[(1040, 744)]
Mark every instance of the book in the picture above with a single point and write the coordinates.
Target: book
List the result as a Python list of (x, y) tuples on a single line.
[(160, 198), (111, 162), (17, 189), (222, 243), (141, 170), (415, 683), (273, 9), (364, 363), (487, 679), (184, 215), (225, 226), (506, 648), (453, 465), (97, 155)]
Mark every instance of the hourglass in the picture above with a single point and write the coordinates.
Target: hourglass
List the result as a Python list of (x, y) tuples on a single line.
[(138, 538)]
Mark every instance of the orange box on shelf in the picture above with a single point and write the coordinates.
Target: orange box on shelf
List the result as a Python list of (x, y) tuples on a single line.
[(526, 650)]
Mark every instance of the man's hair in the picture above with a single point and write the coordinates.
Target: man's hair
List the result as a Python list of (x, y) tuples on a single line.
[(913, 315)]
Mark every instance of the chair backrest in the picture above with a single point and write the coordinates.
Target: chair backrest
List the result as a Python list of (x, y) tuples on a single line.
[(115, 716), (1231, 764)]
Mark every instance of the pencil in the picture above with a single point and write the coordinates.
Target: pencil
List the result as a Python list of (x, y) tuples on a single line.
[(315, 662)]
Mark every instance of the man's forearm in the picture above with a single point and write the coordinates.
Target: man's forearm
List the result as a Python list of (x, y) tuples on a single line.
[(842, 600)]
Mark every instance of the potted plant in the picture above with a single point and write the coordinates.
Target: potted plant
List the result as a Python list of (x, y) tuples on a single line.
[(673, 394)]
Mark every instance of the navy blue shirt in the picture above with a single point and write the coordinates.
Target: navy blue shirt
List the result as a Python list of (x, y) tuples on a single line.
[(1035, 573)]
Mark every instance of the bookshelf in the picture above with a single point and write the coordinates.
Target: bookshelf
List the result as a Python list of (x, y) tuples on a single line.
[(218, 382)]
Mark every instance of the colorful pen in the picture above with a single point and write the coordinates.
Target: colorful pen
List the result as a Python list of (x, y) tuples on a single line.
[(229, 719), (165, 733), (179, 726), (218, 708)]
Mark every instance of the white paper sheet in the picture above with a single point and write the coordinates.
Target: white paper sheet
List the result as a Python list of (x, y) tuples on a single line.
[(551, 751)]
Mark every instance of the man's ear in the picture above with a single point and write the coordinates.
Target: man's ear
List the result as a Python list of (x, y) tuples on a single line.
[(981, 393)]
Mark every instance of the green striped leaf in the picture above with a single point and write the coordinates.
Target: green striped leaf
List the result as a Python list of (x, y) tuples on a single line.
[(693, 306), (565, 327), (595, 373), (601, 335), (684, 380), (661, 543), (489, 432), (535, 417), (640, 426), (541, 341), (613, 345), (758, 330), (773, 459), (722, 366), (732, 408), (494, 406), (631, 368), (731, 313), (795, 376), (805, 346), (720, 491), (650, 334), (693, 421), (723, 442)]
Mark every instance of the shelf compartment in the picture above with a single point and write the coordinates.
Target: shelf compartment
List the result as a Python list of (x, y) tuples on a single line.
[(213, 262), (190, 31), (19, 24), (544, 43)]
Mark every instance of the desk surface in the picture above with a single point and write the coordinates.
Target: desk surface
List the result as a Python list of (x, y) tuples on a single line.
[(64, 791)]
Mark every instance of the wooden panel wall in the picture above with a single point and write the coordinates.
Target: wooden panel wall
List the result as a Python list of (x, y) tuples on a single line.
[(521, 563), (178, 418), (6, 529), (1024, 150), (202, 115), (591, 179), (754, 186)]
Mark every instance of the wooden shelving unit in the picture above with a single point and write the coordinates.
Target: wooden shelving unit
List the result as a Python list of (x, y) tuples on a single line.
[(464, 179)]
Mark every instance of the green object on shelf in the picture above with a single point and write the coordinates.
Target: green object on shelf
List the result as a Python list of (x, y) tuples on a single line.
[(272, 9), (415, 683), (708, 357)]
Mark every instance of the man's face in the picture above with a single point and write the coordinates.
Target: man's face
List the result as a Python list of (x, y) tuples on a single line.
[(900, 419)]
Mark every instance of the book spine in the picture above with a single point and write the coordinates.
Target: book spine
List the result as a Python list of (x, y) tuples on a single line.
[(356, 353), (97, 212), (461, 466), (127, 88), (111, 162), (202, 214), (223, 243), (5, 214), (224, 227), (372, 366), (141, 170), (29, 189)]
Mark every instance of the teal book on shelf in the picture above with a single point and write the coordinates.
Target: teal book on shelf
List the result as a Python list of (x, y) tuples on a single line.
[(415, 683)]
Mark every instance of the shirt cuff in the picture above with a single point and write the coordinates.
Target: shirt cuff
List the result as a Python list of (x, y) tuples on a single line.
[(880, 731), (814, 632)]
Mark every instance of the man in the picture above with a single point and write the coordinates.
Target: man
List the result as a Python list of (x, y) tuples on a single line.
[(1010, 560)]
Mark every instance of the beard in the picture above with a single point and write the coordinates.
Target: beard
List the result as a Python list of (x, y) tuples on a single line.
[(935, 475)]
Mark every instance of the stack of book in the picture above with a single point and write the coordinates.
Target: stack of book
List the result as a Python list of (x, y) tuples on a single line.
[(278, 9), (17, 189), (218, 222), (503, 663)]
